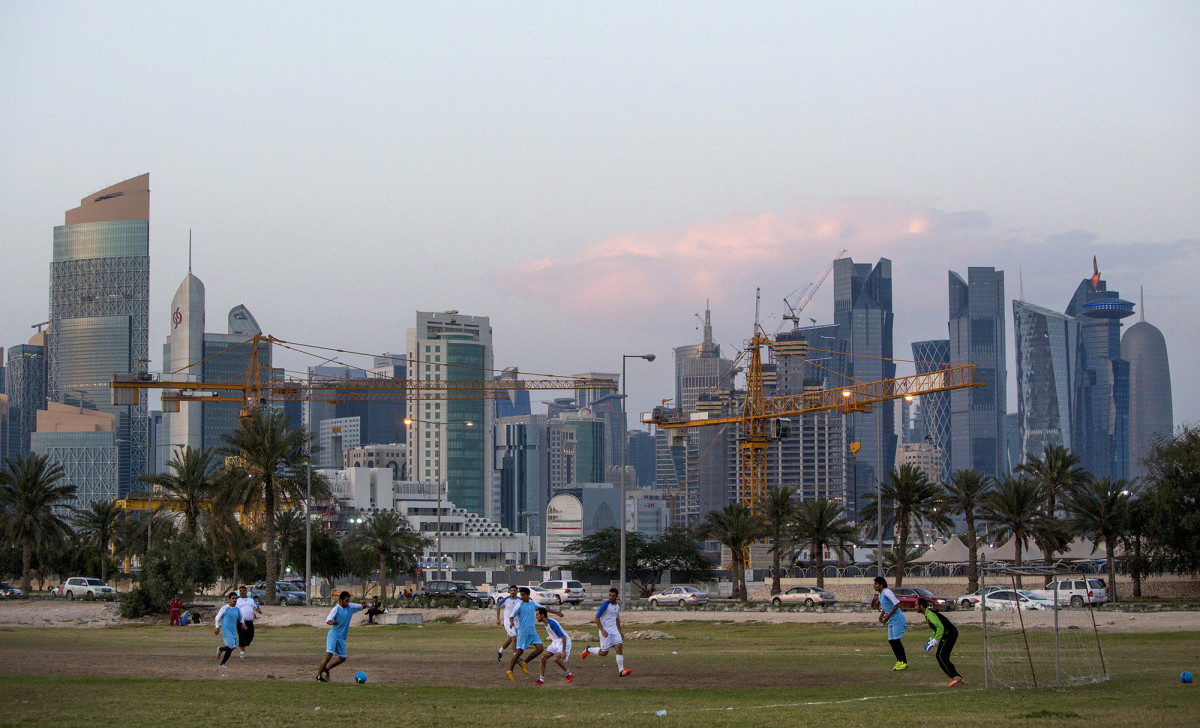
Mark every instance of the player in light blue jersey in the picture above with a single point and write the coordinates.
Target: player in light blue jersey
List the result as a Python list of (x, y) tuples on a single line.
[(339, 627), (890, 614), (559, 649), (227, 622), (524, 621), (608, 619)]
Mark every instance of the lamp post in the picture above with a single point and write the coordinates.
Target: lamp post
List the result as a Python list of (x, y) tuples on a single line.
[(624, 437), (441, 453), (529, 535)]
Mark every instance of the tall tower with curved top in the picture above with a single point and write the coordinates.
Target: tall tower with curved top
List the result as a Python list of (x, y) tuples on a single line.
[(1150, 412)]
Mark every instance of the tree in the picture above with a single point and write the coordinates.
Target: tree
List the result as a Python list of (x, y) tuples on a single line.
[(1133, 537), (328, 561), (387, 536), (232, 546), (184, 568), (1098, 510), (1173, 501), (908, 498), (29, 493), (964, 495), (290, 530), (819, 522), (98, 524), (1013, 507), (1055, 473), (646, 560), (270, 469), (779, 515), (193, 478), (735, 527), (601, 551)]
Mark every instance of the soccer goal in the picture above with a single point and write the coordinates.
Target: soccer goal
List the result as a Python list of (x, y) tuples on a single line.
[(1032, 639)]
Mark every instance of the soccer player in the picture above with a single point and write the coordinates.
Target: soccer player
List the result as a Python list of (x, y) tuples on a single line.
[(945, 634), (608, 619), (504, 612), (248, 607), (339, 627), (890, 614), (524, 621), (559, 649), (228, 619)]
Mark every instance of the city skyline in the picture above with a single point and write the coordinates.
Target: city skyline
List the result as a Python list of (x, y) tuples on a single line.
[(590, 198)]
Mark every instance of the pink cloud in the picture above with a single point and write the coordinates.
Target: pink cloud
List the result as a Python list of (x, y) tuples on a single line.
[(726, 259)]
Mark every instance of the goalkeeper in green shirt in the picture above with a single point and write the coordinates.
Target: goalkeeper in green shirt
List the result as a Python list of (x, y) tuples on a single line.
[(945, 635)]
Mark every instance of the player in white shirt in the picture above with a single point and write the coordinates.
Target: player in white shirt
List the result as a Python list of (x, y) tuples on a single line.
[(559, 649), (505, 607), (608, 619), (248, 607)]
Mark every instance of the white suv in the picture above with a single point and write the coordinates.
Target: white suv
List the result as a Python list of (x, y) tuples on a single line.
[(564, 591), (77, 586), (1076, 592)]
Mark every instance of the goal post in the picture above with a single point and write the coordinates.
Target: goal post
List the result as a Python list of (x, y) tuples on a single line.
[(1033, 640)]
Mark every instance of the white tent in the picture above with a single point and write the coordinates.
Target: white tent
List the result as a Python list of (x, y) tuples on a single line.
[(951, 551)]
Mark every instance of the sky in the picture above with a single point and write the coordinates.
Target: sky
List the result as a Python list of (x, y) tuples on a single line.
[(591, 177)]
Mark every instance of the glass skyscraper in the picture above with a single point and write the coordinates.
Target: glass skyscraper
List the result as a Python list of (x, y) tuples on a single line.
[(976, 326), (99, 310), (862, 300), (1101, 414), (935, 408), (1047, 345), (1150, 411)]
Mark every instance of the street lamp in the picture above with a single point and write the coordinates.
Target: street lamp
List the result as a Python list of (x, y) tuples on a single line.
[(625, 436), (408, 421)]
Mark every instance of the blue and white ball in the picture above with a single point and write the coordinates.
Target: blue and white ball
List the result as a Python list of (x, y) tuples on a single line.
[(1185, 678), (360, 677)]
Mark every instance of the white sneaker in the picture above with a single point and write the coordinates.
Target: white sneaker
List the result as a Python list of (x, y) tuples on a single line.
[(242, 655)]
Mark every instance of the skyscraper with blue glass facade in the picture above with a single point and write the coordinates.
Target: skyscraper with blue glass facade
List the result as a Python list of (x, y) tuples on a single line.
[(99, 310), (1047, 348), (1101, 414), (976, 324), (862, 310), (931, 356)]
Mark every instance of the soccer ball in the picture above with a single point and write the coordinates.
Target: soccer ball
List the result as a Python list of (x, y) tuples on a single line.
[(360, 677), (1186, 677)]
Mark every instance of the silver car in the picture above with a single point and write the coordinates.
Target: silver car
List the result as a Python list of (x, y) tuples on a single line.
[(807, 595), (682, 596)]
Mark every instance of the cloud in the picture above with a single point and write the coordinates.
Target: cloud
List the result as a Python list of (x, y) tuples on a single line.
[(727, 259)]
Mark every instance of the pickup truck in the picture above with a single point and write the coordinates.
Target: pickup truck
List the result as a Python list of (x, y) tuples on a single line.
[(1076, 592)]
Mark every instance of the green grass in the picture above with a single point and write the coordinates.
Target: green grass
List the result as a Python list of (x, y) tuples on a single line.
[(712, 674)]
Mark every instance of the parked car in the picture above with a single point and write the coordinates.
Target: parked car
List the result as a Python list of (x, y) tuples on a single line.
[(460, 590), (968, 601), (682, 596), (1007, 600), (286, 593), (564, 591), (908, 599), (806, 595), (8, 590), (78, 587), (1076, 592)]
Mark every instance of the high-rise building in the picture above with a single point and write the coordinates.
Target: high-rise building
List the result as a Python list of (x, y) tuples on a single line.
[(639, 455), (977, 337), (451, 441), (1047, 348), (935, 408), (1150, 412), (515, 402), (82, 440), (862, 300), (99, 310), (1101, 415), (522, 449), (25, 384)]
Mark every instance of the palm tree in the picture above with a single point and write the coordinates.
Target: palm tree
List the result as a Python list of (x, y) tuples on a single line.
[(1133, 535), (779, 515), (235, 543), (289, 529), (1055, 473), (1013, 508), (908, 498), (1098, 510), (388, 535), (99, 525), (270, 470), (736, 527), (964, 494), (193, 478), (819, 522), (29, 493)]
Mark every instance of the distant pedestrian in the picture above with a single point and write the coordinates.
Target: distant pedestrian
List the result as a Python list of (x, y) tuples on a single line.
[(227, 621), (176, 610), (890, 614), (375, 610), (945, 634), (248, 607), (339, 629)]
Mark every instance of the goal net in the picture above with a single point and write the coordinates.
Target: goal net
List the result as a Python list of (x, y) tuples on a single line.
[(1029, 644)]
